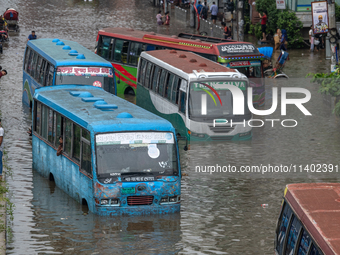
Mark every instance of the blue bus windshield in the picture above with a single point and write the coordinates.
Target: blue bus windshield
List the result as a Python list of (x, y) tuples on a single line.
[(150, 156)]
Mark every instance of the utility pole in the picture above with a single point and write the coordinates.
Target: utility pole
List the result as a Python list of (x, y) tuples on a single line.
[(240, 20)]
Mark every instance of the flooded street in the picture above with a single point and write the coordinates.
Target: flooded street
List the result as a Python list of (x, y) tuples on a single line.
[(221, 213)]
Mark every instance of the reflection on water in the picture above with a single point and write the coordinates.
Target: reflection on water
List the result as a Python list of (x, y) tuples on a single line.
[(221, 212)]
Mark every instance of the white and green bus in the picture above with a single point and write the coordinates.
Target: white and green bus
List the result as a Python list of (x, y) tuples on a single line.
[(196, 95)]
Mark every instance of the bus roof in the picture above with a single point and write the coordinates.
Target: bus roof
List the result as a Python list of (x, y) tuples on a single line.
[(78, 104), (223, 48), (187, 61), (59, 55), (317, 205)]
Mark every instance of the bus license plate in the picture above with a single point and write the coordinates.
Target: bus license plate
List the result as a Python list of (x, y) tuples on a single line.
[(127, 190)]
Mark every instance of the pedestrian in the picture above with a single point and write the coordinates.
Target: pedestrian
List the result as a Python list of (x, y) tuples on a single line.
[(60, 147), (263, 25), (214, 11), (284, 39), (205, 10), (3, 73), (32, 36), (199, 8), (1, 147), (159, 18), (226, 30), (167, 19), (311, 38)]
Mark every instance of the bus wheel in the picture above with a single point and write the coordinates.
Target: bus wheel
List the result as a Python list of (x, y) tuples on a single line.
[(129, 91), (51, 177), (85, 207)]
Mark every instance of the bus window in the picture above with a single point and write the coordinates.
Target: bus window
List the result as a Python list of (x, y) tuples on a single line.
[(121, 50), (68, 137), (44, 121), (50, 75), (168, 88), (26, 58), (175, 90), (150, 47), (76, 142), (135, 50), (29, 64), (59, 128), (293, 235), (37, 72), (182, 101), (147, 75), (50, 126), (281, 232), (155, 78), (54, 133), (314, 250), (34, 64), (37, 117), (42, 72), (304, 243), (141, 70), (161, 82), (86, 134), (86, 157), (105, 47)]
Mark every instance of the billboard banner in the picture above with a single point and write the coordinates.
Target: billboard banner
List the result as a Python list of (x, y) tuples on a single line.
[(320, 17)]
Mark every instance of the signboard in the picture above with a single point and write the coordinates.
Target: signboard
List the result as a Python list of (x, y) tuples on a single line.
[(320, 17), (134, 138), (84, 71), (280, 4), (219, 85), (244, 63), (237, 49)]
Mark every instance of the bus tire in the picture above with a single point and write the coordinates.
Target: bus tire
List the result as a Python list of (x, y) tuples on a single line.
[(51, 177), (129, 91)]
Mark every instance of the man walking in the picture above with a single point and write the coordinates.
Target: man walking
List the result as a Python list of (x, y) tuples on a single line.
[(263, 18), (1, 148), (214, 11)]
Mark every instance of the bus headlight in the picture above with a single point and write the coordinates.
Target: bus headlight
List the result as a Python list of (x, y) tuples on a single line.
[(164, 199), (172, 199), (104, 202), (114, 201)]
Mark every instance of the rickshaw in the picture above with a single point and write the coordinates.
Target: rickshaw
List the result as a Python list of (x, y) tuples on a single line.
[(12, 18), (277, 70)]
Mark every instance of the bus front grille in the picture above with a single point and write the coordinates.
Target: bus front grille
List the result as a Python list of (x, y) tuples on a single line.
[(221, 129), (140, 200)]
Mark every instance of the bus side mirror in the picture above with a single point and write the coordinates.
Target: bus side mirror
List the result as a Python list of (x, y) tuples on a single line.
[(185, 148)]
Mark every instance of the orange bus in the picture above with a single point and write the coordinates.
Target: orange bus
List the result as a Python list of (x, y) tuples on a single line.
[(309, 220), (123, 46)]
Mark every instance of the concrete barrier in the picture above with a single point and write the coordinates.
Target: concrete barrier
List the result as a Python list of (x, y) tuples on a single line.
[(217, 31), (180, 14)]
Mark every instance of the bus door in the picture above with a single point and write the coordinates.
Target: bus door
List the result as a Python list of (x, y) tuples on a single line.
[(182, 107)]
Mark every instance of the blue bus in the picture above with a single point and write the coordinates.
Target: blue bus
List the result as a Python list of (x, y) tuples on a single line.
[(117, 158), (49, 62)]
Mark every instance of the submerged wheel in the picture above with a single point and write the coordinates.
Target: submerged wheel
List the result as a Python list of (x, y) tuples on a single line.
[(129, 91)]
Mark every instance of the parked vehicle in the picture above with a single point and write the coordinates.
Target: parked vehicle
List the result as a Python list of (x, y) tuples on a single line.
[(49, 62), (195, 95), (115, 157), (12, 18), (308, 222), (123, 46)]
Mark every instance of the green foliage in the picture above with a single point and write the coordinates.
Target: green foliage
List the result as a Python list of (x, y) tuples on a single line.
[(329, 85), (337, 12), (285, 19)]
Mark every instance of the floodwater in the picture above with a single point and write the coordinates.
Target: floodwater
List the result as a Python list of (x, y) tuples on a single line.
[(221, 213)]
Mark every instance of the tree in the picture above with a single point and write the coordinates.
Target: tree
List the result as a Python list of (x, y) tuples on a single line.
[(283, 19)]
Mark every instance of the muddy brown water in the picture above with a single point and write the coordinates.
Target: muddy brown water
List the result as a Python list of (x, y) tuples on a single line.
[(221, 213)]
